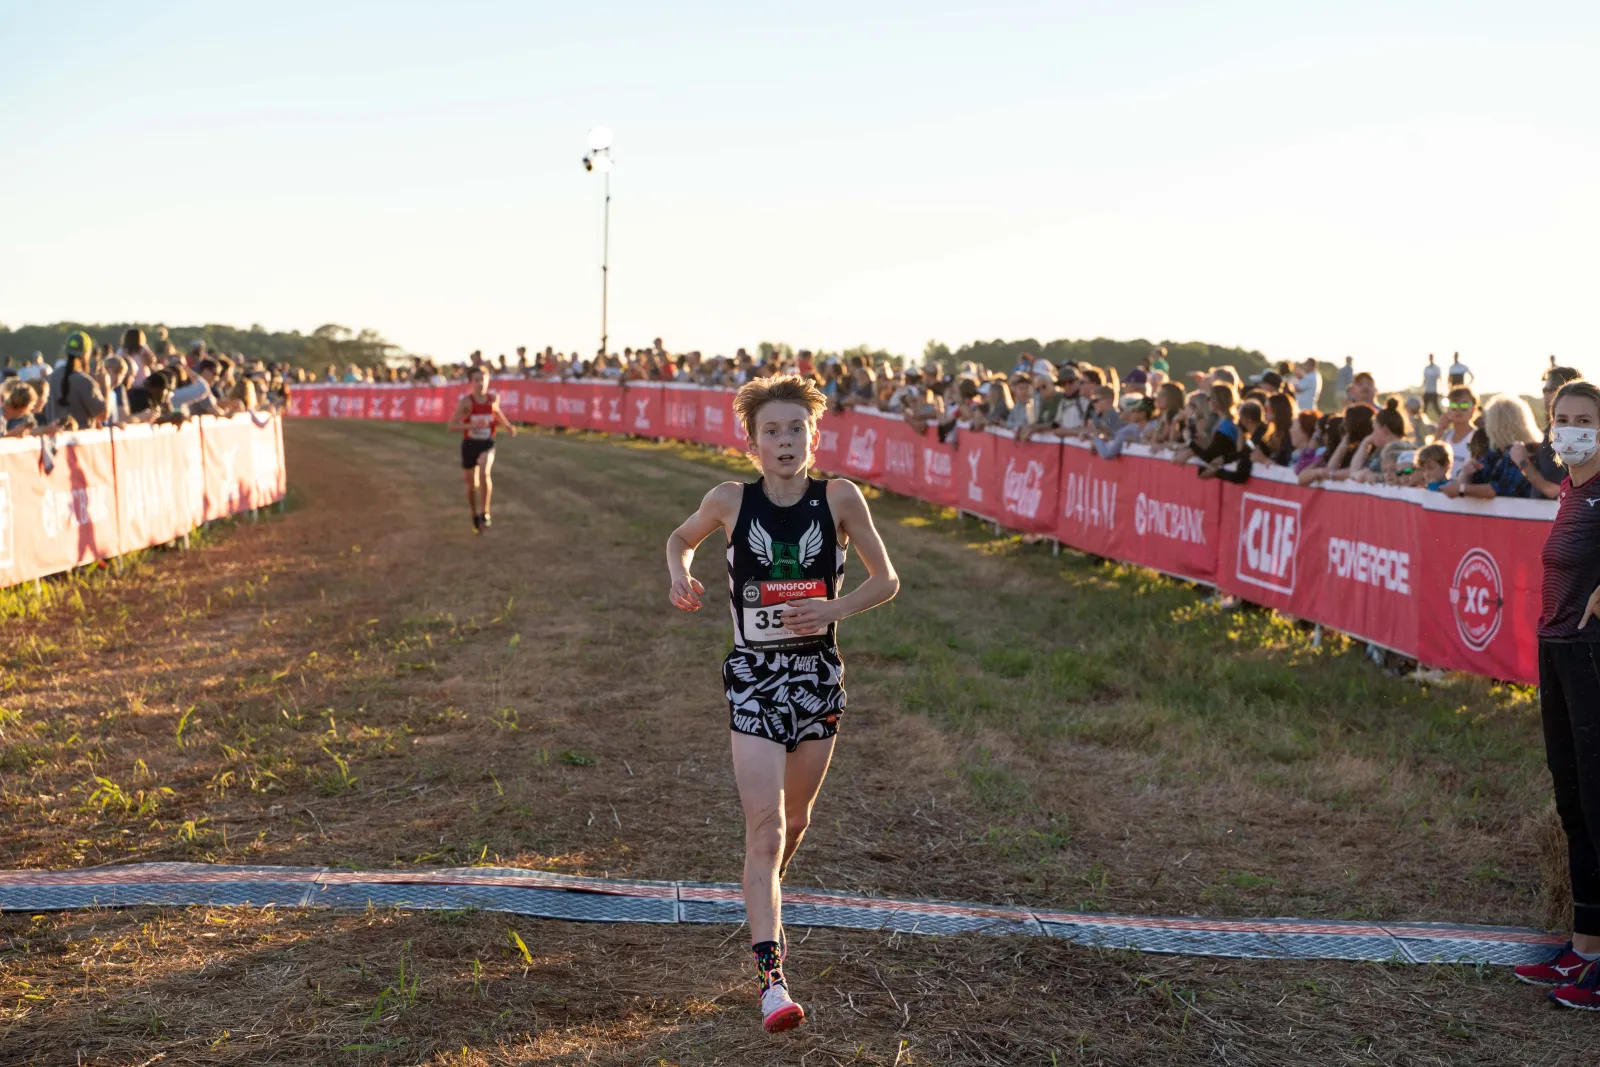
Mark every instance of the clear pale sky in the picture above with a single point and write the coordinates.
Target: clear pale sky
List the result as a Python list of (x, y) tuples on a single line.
[(1374, 180)]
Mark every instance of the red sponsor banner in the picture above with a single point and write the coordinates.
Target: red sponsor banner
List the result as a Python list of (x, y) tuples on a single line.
[(862, 437), (160, 482), (571, 404), (605, 407), (1262, 538), (680, 413), (833, 434), (902, 447), (242, 464), (58, 504), (1173, 522), (718, 425), (644, 409), (1360, 568), (1028, 474), (936, 470), (1481, 577), (977, 490), (1092, 490)]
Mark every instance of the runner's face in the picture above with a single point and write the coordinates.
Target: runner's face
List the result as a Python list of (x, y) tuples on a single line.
[(785, 437), (480, 384)]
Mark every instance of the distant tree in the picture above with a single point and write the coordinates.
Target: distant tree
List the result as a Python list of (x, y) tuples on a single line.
[(368, 348)]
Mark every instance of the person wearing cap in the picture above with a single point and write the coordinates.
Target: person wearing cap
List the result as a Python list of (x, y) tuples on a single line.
[(1075, 408), (1046, 405), (1023, 405), (77, 347), (78, 394), (1136, 381), (1158, 360)]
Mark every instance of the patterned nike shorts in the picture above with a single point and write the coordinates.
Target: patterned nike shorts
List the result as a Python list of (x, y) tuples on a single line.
[(787, 697)]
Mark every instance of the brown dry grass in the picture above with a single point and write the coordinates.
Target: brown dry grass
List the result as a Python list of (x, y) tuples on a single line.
[(364, 682)]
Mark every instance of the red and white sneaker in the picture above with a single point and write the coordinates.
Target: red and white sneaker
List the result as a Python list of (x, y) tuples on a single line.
[(1564, 968), (779, 1012), (1584, 994)]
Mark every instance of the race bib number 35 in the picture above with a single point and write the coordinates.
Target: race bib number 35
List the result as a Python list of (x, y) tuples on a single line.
[(763, 608)]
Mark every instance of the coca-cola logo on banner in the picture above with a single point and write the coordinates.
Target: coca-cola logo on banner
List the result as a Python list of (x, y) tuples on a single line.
[(7, 520), (900, 457), (1023, 489), (1269, 540), (1175, 522), (1476, 599), (863, 445), (937, 466), (974, 490), (1090, 501)]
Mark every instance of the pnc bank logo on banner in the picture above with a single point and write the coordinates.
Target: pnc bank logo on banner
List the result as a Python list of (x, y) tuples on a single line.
[(900, 457), (863, 447), (1477, 598), (937, 468), (1175, 522), (1269, 536), (974, 490), (8, 515), (1023, 489)]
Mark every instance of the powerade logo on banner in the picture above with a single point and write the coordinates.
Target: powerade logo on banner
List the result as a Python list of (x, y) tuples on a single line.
[(1023, 489), (974, 490), (1175, 522), (900, 457), (7, 520), (863, 447), (1477, 599), (1269, 535), (1370, 564)]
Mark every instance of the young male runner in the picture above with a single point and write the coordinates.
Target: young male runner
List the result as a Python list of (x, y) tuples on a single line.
[(477, 416), (787, 535)]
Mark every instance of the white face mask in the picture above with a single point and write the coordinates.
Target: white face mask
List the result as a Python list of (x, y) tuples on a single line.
[(1574, 444)]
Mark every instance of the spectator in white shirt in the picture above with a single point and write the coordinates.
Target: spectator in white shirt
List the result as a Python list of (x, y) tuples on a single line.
[(1459, 374), (1308, 386), (1430, 386)]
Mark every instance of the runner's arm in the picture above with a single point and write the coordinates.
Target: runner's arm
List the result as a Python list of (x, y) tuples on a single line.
[(500, 417), (458, 421), (807, 617), (719, 509)]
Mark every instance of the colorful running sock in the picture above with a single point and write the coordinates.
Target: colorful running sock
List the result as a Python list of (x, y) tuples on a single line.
[(769, 963)]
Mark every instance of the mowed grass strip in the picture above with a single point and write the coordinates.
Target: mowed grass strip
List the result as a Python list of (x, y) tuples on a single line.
[(364, 682)]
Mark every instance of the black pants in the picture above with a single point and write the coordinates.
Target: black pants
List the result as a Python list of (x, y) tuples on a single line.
[(1569, 695)]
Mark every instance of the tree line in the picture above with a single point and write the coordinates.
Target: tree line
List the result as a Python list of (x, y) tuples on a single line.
[(332, 343)]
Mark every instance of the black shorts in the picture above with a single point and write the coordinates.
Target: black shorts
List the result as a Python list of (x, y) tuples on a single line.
[(787, 697), (471, 450)]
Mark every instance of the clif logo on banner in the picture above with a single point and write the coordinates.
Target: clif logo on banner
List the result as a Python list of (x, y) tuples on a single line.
[(863, 447), (1269, 535), (1023, 489), (1477, 599)]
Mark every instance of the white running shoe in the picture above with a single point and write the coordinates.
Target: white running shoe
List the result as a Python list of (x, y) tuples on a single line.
[(779, 1012)]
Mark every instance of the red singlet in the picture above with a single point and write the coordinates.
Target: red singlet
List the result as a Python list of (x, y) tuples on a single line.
[(480, 420)]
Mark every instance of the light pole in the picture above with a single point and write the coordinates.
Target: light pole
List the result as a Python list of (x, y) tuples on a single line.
[(599, 158)]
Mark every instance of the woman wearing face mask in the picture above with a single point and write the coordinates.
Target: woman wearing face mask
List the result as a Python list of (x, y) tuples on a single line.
[(1569, 690)]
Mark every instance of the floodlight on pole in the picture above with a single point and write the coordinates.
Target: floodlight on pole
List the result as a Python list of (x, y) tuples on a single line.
[(598, 158)]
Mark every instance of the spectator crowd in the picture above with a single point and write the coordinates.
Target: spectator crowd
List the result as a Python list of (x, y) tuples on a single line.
[(141, 380)]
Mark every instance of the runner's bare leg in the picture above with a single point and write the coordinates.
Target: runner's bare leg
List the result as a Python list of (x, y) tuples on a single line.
[(758, 768), (471, 474), (803, 772), (486, 461)]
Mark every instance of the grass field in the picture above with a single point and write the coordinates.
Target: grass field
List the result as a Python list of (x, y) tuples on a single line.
[(362, 681)]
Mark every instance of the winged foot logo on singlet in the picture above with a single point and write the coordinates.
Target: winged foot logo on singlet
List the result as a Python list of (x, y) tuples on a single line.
[(785, 561)]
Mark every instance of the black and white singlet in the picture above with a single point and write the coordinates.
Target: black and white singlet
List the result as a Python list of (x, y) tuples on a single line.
[(781, 685)]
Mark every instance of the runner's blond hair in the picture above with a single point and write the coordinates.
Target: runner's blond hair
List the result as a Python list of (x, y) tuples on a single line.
[(788, 388)]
